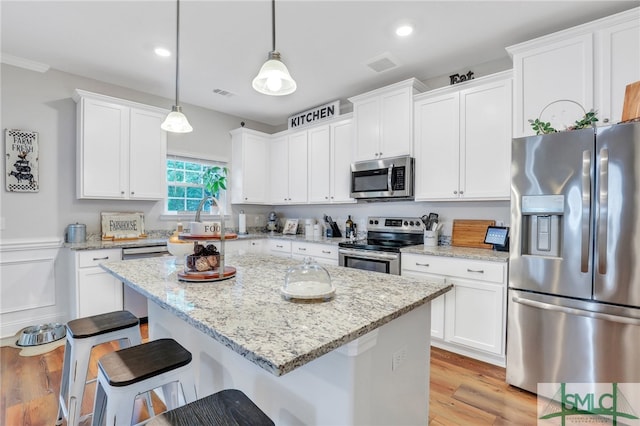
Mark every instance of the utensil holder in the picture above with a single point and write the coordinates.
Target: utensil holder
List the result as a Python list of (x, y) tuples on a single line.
[(430, 238)]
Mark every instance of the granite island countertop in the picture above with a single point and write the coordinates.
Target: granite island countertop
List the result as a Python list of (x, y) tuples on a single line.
[(248, 315)]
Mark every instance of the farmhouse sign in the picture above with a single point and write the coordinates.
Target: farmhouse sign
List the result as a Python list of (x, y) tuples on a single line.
[(21, 149), (314, 115), (122, 226)]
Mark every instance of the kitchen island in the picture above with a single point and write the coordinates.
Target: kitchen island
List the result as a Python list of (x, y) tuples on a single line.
[(361, 358)]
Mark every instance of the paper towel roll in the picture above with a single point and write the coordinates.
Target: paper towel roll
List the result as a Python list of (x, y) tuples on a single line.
[(242, 223)]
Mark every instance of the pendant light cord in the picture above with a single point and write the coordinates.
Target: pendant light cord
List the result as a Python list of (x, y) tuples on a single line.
[(273, 24), (177, 50)]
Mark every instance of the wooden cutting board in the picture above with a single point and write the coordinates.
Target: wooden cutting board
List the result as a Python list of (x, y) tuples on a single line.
[(470, 233), (631, 107)]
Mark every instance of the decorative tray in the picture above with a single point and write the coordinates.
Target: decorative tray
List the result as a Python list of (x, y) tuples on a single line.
[(207, 276), (227, 236)]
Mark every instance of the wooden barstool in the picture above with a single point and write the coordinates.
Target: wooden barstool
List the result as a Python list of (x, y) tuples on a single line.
[(227, 407), (127, 373), (83, 334)]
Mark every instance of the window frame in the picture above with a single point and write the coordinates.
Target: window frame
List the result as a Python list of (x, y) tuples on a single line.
[(182, 214)]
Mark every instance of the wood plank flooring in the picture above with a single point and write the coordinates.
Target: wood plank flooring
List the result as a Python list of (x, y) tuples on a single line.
[(463, 391)]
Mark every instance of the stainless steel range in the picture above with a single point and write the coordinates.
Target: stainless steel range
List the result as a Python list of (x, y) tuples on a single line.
[(380, 252)]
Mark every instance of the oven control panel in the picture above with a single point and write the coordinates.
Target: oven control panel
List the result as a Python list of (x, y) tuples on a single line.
[(395, 224)]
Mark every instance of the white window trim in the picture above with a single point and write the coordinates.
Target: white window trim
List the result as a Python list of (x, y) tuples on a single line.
[(166, 216)]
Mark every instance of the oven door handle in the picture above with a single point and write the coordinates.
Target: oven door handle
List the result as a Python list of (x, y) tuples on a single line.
[(368, 255)]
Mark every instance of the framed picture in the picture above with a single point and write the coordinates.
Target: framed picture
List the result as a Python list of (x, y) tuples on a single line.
[(21, 148), (290, 226)]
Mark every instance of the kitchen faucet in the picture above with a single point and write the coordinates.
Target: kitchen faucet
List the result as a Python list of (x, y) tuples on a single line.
[(221, 214)]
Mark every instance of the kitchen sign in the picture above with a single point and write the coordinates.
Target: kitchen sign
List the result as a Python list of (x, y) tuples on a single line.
[(314, 115), (122, 226), (21, 147)]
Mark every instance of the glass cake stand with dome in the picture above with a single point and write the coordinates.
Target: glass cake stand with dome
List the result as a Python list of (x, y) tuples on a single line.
[(308, 282)]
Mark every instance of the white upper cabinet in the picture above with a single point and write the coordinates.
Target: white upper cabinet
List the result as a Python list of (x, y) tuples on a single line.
[(330, 157), (590, 65), (463, 141), (121, 149), (288, 166), (383, 120), (249, 176)]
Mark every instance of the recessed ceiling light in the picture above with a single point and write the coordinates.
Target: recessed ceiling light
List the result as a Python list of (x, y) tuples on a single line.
[(161, 51), (404, 30)]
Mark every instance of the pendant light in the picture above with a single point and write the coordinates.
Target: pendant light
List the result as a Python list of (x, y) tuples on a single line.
[(274, 78), (176, 121)]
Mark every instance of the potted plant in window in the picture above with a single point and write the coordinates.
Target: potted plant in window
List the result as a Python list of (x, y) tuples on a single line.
[(215, 180)]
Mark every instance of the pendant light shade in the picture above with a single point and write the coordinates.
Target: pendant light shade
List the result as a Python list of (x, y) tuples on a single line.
[(176, 121), (274, 78)]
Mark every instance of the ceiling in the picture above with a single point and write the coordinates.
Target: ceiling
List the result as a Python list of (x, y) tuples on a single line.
[(325, 44)]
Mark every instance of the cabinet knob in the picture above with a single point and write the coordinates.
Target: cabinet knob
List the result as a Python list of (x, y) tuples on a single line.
[(246, 198), (121, 192), (132, 193), (461, 192), (455, 192), (606, 120), (326, 198)]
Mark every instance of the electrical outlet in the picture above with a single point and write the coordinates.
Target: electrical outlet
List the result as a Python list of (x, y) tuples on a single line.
[(398, 358)]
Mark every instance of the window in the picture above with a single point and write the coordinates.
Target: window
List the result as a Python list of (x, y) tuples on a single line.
[(185, 188)]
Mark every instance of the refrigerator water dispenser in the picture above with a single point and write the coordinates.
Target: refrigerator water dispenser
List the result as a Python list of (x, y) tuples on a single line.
[(542, 224)]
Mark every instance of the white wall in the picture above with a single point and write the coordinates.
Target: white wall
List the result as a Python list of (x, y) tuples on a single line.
[(42, 102)]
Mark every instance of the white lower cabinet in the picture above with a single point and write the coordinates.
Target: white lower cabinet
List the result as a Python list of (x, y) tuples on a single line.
[(278, 247), (321, 253), (94, 290), (471, 318), (242, 246)]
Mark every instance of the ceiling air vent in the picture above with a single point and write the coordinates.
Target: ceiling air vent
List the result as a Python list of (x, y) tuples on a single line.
[(384, 62), (222, 92)]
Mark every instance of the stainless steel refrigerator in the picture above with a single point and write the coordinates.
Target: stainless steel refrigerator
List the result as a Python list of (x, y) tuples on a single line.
[(574, 266)]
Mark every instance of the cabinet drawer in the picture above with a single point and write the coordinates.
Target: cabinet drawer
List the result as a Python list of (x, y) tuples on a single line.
[(455, 267), (279, 246), (96, 257), (315, 250)]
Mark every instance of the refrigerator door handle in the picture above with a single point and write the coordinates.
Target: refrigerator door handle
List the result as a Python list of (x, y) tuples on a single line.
[(603, 212), (586, 210), (574, 311)]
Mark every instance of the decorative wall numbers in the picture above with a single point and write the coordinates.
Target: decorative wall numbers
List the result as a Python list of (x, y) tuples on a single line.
[(21, 148), (457, 78)]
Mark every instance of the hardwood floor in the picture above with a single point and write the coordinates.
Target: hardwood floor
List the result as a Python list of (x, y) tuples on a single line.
[(463, 391)]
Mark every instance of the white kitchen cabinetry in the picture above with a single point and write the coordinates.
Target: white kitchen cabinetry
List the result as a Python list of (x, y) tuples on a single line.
[(330, 157), (463, 141), (121, 149), (249, 172), (383, 120), (94, 290), (321, 253), (278, 247), (471, 318), (242, 246), (288, 161), (590, 64)]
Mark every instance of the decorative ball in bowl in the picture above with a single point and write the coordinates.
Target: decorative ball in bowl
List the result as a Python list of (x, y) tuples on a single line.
[(180, 249), (203, 258)]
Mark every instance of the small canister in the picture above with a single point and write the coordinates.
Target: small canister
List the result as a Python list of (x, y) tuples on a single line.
[(76, 233)]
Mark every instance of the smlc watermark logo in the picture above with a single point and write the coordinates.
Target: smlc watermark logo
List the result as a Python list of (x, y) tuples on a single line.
[(589, 404)]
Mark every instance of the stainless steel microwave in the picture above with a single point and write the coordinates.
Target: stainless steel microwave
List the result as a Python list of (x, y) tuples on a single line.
[(383, 179)]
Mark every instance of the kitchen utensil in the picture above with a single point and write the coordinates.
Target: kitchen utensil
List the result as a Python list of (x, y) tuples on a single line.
[(76, 233), (470, 233)]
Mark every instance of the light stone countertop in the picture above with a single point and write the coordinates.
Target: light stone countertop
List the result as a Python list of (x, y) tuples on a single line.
[(459, 252), (248, 314)]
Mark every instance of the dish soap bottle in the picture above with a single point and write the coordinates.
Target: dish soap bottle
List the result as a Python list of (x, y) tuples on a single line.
[(348, 228)]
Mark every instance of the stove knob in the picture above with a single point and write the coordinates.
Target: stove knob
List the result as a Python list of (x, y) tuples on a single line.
[(406, 223), (375, 221), (411, 223), (370, 222)]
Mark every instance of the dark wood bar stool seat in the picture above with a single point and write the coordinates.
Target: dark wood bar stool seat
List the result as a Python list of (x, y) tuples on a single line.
[(229, 407)]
